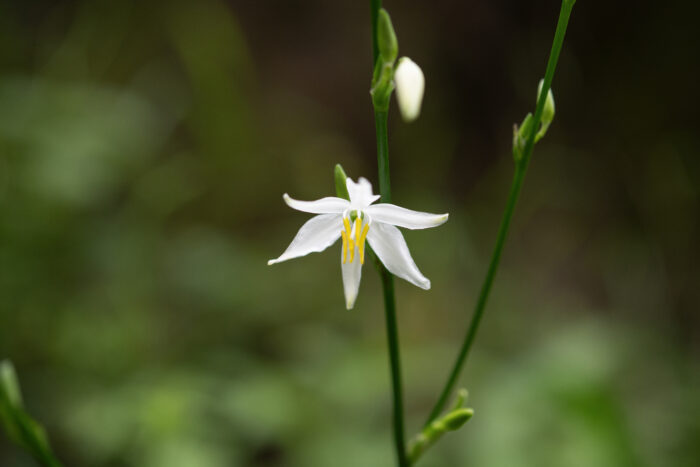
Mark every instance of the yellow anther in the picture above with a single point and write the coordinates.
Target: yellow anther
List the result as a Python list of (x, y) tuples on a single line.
[(361, 243), (349, 242), (364, 233), (358, 226), (344, 236)]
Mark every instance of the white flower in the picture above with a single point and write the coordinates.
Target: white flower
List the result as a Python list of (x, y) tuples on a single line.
[(410, 86), (373, 223)]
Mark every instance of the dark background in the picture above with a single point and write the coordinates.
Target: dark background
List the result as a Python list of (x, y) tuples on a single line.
[(144, 149)]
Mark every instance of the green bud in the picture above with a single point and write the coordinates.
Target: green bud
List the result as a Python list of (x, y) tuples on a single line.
[(548, 111), (386, 38), (517, 150), (341, 187), (525, 127), (455, 419), (435, 430)]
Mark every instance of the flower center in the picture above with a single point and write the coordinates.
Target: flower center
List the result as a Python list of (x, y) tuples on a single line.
[(354, 237)]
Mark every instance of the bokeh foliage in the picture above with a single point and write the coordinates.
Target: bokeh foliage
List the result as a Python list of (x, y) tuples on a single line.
[(144, 148)]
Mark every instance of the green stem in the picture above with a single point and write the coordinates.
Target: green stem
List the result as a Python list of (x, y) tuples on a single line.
[(395, 361), (380, 120), (392, 333), (520, 170)]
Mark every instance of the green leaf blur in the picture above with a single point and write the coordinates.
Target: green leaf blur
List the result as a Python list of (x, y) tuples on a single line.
[(144, 151)]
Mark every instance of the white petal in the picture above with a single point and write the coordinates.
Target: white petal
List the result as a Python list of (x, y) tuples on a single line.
[(317, 234), (402, 217), (352, 273), (360, 193), (410, 86), (389, 245), (328, 205)]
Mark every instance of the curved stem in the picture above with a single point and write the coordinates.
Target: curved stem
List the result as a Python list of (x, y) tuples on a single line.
[(392, 333), (484, 295), (520, 170)]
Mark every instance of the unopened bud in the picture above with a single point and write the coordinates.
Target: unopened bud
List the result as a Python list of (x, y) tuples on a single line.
[(386, 38), (548, 111), (410, 86), (455, 419), (525, 127)]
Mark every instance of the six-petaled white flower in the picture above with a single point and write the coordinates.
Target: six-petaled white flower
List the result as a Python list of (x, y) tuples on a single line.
[(356, 221)]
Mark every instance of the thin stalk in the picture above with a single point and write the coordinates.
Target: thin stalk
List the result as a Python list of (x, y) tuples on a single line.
[(518, 177), (395, 362), (380, 120), (392, 332)]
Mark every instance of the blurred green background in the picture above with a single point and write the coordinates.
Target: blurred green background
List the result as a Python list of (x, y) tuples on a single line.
[(144, 149)]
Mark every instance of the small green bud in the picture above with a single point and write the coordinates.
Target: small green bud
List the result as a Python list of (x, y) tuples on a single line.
[(525, 127), (436, 429), (548, 111), (341, 187), (517, 151), (386, 38), (455, 419)]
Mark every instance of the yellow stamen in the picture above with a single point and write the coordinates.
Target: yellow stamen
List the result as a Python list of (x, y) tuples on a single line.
[(344, 236), (347, 236), (361, 243), (358, 224)]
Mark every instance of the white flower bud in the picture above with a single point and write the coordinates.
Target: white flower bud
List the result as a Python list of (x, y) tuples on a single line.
[(410, 86)]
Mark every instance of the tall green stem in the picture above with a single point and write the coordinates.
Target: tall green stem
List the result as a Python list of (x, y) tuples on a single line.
[(520, 170), (392, 333), (395, 361)]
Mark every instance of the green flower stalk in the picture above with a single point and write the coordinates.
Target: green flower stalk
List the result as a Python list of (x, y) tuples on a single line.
[(523, 144), (452, 421), (353, 217), (19, 426)]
